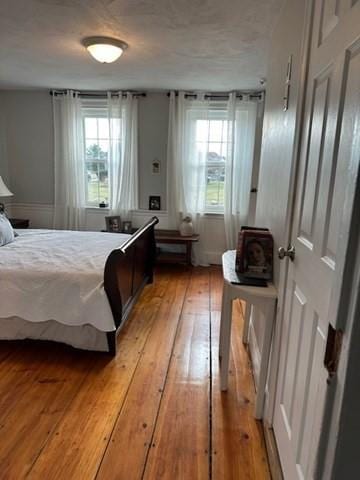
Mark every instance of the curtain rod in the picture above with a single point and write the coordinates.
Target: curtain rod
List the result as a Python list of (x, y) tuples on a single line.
[(222, 96), (85, 94), (207, 96)]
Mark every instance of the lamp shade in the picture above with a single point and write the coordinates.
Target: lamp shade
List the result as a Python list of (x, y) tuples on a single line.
[(4, 191)]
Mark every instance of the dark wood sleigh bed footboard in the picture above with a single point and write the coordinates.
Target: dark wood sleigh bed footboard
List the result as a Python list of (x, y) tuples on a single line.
[(127, 270)]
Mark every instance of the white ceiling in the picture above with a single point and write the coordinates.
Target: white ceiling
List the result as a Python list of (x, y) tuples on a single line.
[(173, 44)]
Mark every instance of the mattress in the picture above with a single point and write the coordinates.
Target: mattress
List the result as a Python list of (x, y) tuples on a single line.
[(57, 275)]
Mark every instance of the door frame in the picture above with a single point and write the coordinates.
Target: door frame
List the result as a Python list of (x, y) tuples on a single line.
[(347, 292), (345, 303)]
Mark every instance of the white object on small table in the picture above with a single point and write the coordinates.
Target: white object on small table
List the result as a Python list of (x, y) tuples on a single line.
[(265, 299)]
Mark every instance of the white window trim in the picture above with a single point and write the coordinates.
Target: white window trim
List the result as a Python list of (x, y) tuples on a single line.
[(92, 109), (216, 112)]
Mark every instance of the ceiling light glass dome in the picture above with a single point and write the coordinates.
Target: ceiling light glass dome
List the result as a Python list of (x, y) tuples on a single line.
[(104, 49)]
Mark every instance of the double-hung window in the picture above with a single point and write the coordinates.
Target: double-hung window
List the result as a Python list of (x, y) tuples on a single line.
[(102, 135), (211, 145), (210, 150)]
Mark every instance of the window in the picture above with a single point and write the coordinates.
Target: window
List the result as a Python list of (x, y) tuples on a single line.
[(98, 143), (211, 145)]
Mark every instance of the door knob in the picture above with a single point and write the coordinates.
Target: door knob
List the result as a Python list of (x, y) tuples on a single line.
[(289, 252)]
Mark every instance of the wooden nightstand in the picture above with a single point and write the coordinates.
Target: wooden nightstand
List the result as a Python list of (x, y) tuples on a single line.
[(19, 222), (174, 237)]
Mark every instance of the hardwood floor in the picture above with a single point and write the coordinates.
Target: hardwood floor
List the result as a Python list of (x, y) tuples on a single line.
[(153, 412)]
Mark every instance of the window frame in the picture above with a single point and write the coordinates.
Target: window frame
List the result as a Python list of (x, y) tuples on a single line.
[(95, 109), (213, 113), (91, 113)]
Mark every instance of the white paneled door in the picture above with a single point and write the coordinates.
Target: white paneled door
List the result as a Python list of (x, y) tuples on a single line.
[(329, 160)]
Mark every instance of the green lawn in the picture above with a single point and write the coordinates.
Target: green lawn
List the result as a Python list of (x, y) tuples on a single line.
[(98, 192), (215, 193)]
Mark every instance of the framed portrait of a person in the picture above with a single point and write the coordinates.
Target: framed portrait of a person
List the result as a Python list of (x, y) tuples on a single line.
[(127, 227), (255, 254), (113, 224)]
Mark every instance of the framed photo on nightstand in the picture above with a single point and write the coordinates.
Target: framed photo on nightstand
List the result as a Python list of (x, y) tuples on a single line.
[(254, 253), (127, 227), (113, 224)]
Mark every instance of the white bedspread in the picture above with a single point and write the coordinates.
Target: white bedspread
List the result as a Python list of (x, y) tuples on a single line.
[(57, 275)]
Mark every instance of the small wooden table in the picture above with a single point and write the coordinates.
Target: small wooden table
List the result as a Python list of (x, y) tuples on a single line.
[(174, 237), (262, 297)]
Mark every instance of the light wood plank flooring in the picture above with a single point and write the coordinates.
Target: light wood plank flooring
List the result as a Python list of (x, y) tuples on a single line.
[(153, 412)]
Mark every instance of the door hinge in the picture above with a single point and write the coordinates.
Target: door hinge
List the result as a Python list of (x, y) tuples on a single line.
[(332, 352)]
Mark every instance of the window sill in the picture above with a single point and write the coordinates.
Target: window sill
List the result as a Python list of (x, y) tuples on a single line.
[(161, 213), (144, 211), (214, 214), (93, 207)]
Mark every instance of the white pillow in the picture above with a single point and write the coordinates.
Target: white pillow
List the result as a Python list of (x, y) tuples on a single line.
[(6, 231)]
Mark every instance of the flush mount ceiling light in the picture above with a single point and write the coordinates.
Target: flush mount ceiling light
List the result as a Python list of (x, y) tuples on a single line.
[(104, 49)]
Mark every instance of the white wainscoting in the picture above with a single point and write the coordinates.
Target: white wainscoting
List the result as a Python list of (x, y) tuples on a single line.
[(41, 216)]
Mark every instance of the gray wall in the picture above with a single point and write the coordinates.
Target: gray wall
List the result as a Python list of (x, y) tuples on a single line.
[(153, 129), (29, 138), (26, 145), (4, 166)]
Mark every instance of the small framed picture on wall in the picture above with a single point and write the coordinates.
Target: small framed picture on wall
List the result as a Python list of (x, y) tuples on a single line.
[(154, 202), (156, 167)]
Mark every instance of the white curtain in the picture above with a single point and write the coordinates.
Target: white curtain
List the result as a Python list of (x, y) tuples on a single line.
[(173, 162), (70, 171), (123, 154), (186, 179), (187, 156), (242, 115), (69, 162)]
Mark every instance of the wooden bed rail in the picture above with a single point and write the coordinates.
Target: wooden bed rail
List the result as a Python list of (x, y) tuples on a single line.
[(127, 270), (151, 223)]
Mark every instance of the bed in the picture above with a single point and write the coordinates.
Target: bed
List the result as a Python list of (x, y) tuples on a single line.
[(73, 287)]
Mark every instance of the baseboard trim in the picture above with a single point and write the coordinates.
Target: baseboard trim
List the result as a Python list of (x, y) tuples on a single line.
[(214, 258), (272, 452)]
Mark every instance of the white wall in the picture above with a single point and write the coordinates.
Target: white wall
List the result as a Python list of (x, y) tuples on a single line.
[(273, 202)]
